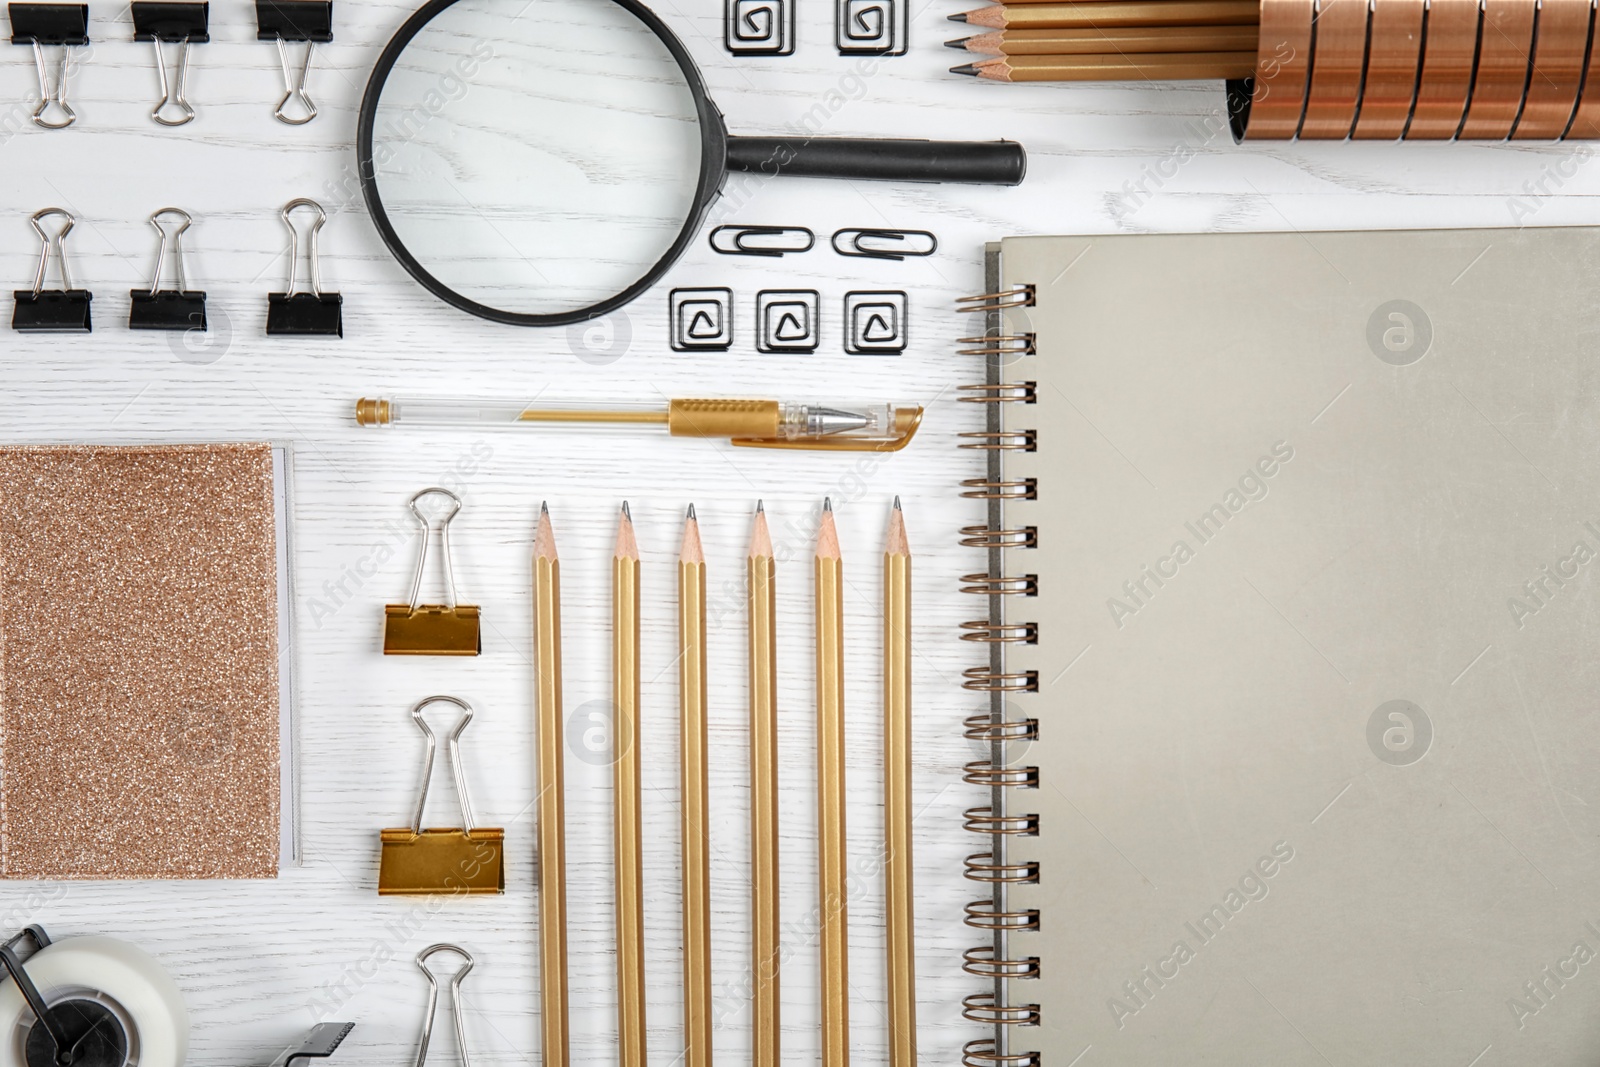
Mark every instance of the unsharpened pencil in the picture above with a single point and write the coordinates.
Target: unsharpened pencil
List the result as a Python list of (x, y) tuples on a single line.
[(1107, 13), (1112, 41), (1191, 66)]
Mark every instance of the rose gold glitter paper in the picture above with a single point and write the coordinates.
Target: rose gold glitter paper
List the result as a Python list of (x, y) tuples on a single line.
[(138, 662)]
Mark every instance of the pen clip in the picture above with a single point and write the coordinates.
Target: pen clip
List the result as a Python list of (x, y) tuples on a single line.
[(838, 444)]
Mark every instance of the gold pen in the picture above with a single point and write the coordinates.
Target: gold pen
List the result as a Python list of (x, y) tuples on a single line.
[(696, 797), (897, 793), (831, 427), (551, 817), (832, 856), (626, 789), (764, 942)]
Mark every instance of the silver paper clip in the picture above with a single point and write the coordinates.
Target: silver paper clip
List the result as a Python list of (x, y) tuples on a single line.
[(433, 1001), (58, 25)]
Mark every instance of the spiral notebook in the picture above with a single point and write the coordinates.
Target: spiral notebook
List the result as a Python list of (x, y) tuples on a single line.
[(1294, 587)]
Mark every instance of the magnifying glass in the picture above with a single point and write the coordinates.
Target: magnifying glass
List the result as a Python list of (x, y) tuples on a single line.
[(542, 162)]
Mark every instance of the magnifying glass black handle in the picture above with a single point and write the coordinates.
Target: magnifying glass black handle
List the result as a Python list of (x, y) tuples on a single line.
[(881, 159)]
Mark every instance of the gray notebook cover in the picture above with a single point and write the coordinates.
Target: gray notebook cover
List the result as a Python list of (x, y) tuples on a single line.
[(1319, 610)]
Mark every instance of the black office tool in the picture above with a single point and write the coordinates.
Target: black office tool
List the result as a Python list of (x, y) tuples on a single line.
[(168, 309), (788, 321), (758, 27), (761, 240), (297, 314), (870, 27), (702, 319), (281, 21), (884, 244), (320, 1043), (41, 310), (185, 23), (875, 323), (51, 25)]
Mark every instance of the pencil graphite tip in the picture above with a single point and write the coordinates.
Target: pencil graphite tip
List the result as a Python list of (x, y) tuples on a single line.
[(897, 503), (625, 512), (691, 511), (761, 507), (960, 43), (962, 17), (544, 507), (965, 68), (827, 503)]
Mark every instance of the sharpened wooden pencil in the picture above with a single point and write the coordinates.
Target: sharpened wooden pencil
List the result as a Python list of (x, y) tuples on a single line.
[(1108, 13), (832, 856), (1111, 41), (696, 800), (899, 895), (1191, 66), (765, 944), (628, 843), (551, 817)]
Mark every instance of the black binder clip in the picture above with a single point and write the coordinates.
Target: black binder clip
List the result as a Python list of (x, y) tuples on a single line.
[(320, 1043), (297, 314), (41, 310), (57, 25), (168, 309), (183, 22), (310, 21)]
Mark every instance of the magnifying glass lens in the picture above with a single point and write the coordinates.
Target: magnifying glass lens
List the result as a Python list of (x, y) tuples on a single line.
[(536, 157)]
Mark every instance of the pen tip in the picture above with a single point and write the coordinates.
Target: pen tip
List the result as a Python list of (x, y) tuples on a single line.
[(827, 503), (960, 43), (897, 503), (965, 68), (691, 511), (625, 512)]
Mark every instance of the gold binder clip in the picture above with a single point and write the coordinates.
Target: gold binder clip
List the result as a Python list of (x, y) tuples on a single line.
[(417, 629), (415, 861)]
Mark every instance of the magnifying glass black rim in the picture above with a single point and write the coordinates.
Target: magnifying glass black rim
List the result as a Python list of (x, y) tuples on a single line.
[(713, 152)]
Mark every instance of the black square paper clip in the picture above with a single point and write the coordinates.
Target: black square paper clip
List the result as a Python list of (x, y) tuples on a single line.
[(185, 23), (168, 309), (297, 314), (418, 629), (41, 310), (53, 25), (310, 21)]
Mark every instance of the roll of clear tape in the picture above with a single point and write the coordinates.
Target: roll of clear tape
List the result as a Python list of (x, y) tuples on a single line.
[(123, 977)]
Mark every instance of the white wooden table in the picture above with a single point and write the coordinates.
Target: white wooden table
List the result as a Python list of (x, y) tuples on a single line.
[(260, 962)]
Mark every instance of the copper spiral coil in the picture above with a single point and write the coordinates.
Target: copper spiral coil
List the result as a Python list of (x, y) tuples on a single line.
[(1340, 56), (981, 1053), (981, 727), (1283, 69), (985, 537), (1000, 393), (978, 870), (1504, 45), (1019, 297), (1003, 440), (984, 821), (982, 772), (983, 962), (983, 680), (1392, 59), (985, 489), (1000, 633), (1559, 47), (981, 1008), (1000, 584), (983, 915), (1000, 344), (1586, 119), (1449, 52)]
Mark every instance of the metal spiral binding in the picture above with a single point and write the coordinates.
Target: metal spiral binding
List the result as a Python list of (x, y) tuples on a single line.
[(999, 726)]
